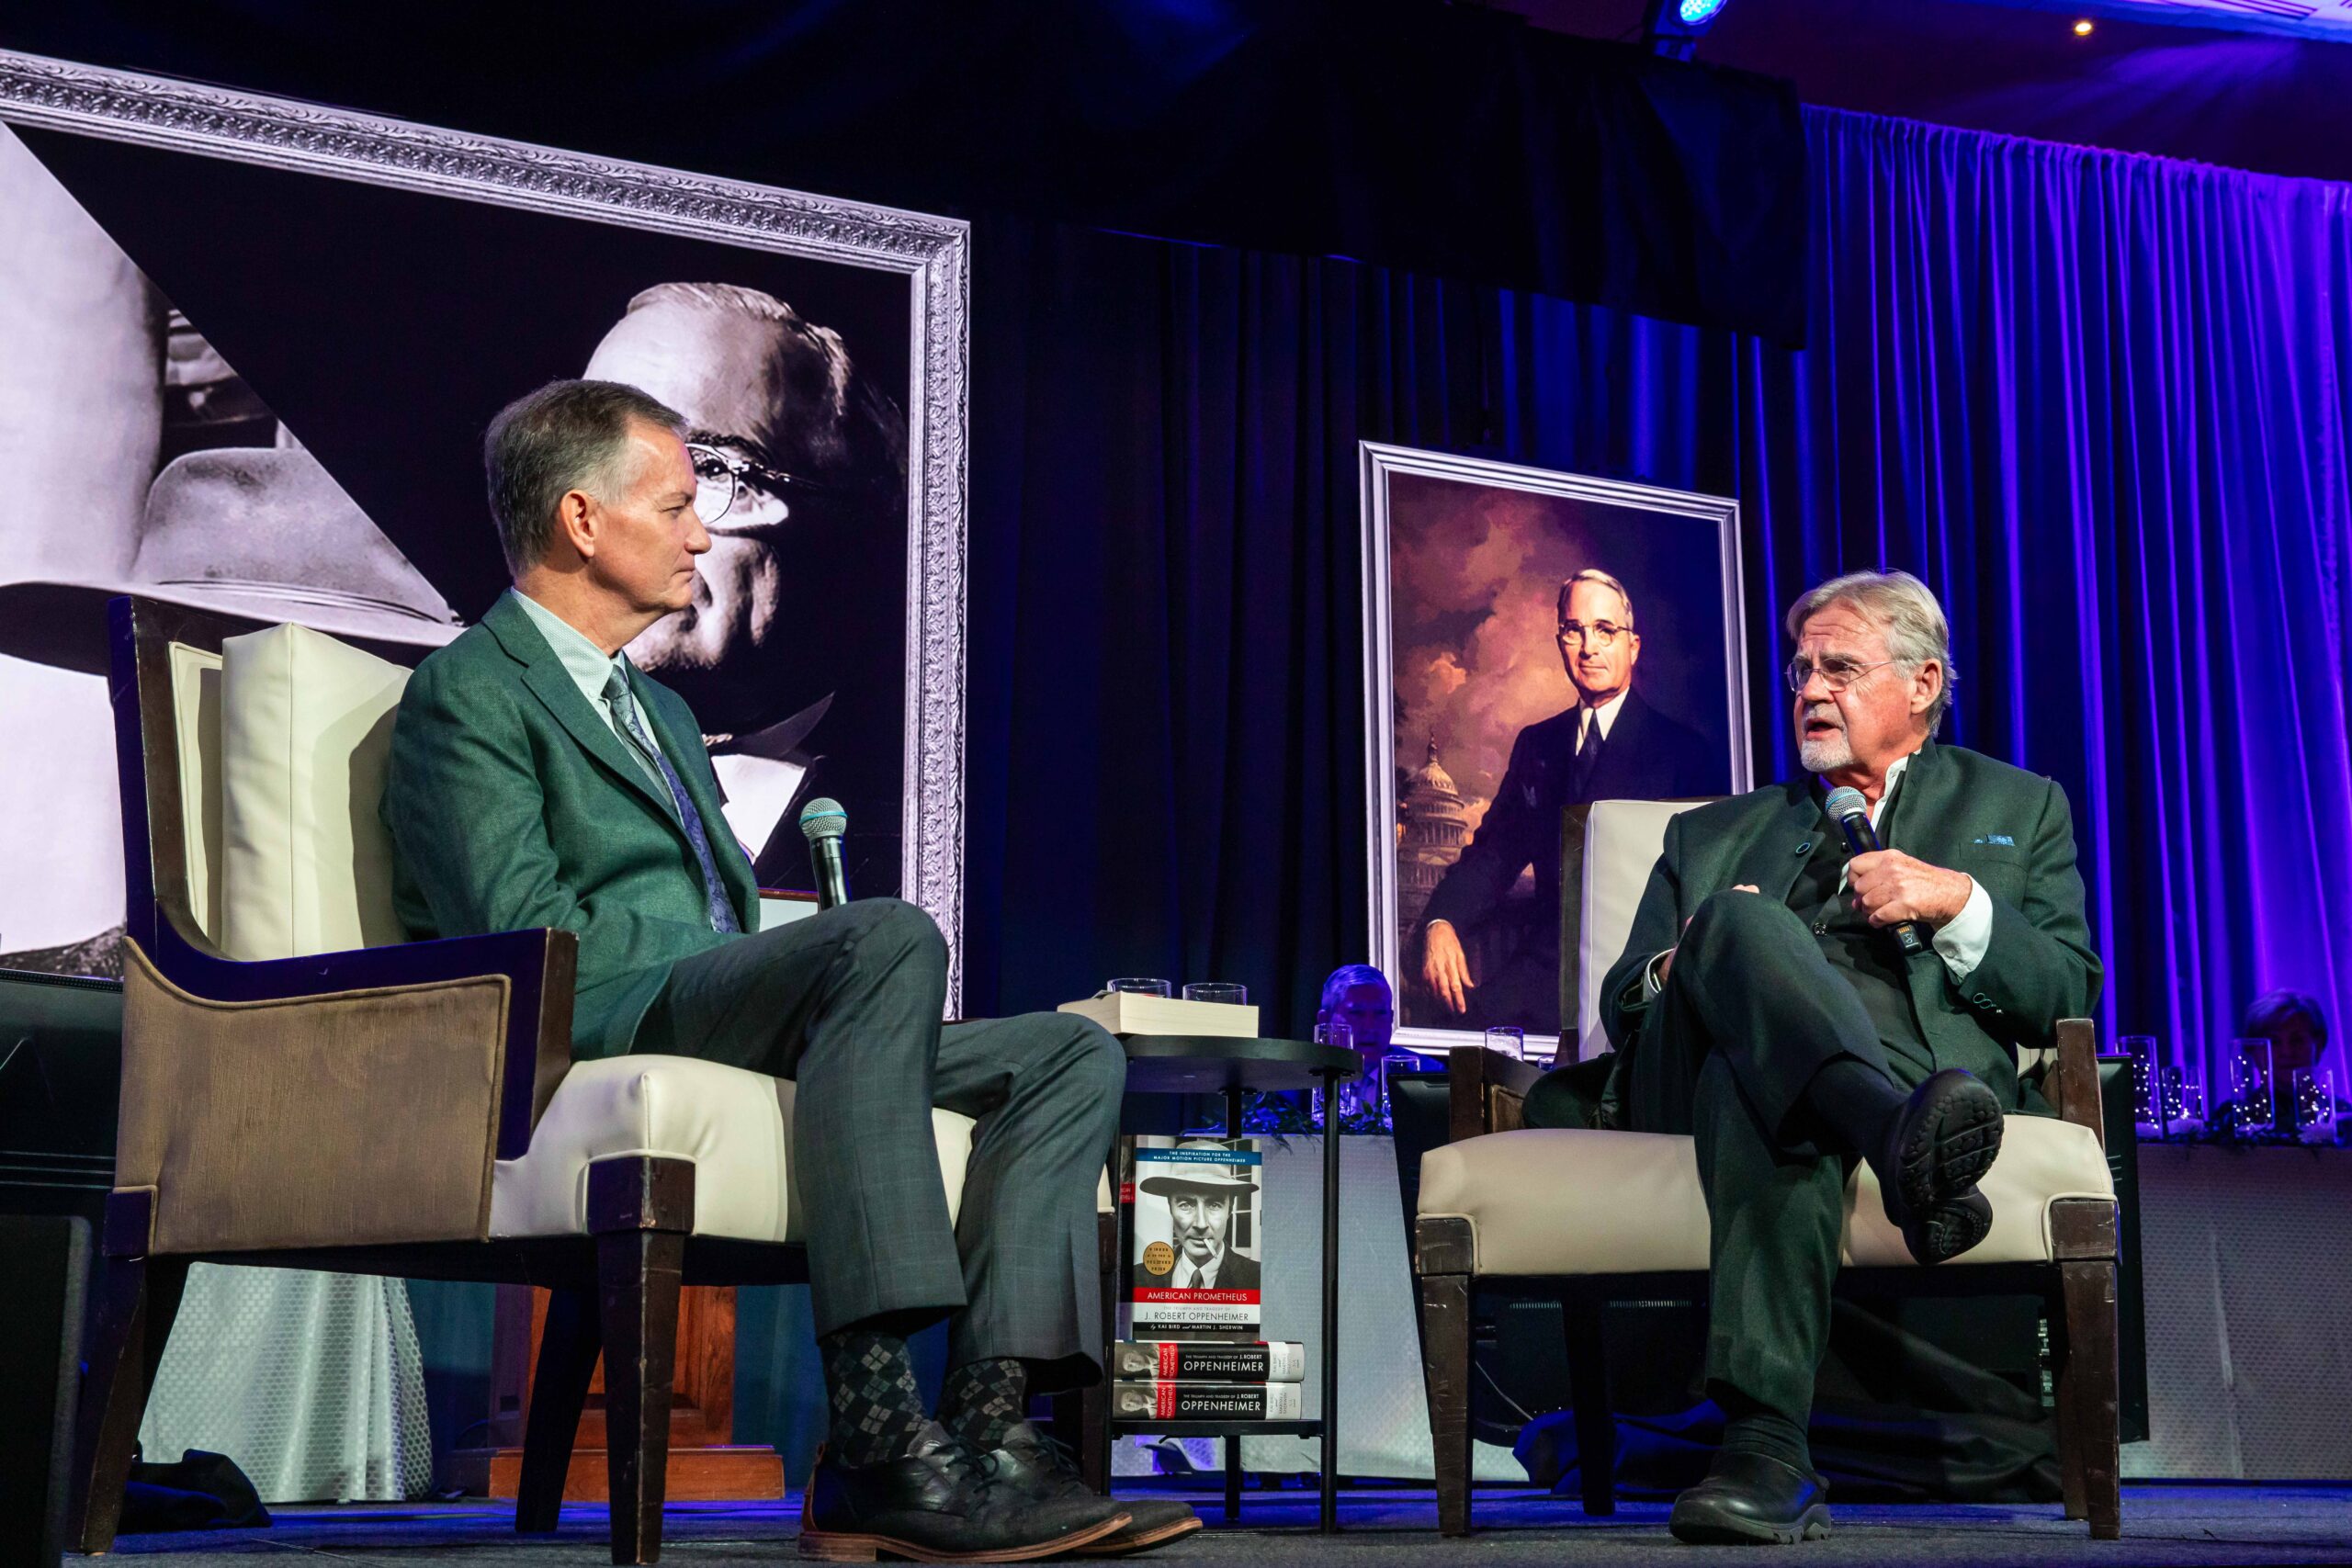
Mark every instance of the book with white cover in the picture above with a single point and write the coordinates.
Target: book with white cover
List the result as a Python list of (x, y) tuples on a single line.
[(1205, 1401), (1179, 1360), (1130, 1013)]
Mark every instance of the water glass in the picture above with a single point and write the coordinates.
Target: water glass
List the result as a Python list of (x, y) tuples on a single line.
[(2311, 1097), (1215, 991), (1138, 986), (1508, 1039), (2251, 1086), (2184, 1102), (2141, 1049)]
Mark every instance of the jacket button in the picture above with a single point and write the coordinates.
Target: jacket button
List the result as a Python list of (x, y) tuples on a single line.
[(1821, 928)]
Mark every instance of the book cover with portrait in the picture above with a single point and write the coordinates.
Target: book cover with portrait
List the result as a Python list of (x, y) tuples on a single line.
[(1194, 1258)]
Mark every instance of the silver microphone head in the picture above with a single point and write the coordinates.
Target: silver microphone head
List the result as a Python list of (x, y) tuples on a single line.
[(823, 818), (1847, 801)]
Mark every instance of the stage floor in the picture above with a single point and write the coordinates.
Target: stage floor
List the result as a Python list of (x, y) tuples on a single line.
[(2162, 1525)]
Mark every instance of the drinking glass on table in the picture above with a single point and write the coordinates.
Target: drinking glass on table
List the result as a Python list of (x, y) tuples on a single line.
[(1219, 991), (1508, 1039), (2311, 1093), (1137, 984), (2250, 1087)]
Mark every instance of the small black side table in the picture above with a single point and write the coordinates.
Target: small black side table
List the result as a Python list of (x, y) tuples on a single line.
[(1205, 1064)]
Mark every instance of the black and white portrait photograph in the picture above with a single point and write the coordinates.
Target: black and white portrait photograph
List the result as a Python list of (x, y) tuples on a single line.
[(1536, 641), (215, 395)]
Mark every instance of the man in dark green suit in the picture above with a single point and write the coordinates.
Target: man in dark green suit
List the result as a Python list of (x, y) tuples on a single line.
[(538, 779), (1766, 1005)]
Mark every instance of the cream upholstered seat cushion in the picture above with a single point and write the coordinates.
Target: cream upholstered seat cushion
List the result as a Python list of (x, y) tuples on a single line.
[(735, 1125), (1562, 1202)]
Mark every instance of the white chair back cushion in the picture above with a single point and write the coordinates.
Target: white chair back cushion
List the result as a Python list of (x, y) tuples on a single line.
[(195, 726), (306, 736), (1622, 840)]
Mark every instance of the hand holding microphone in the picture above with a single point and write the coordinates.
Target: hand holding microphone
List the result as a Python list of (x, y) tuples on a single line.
[(822, 823), (1893, 888)]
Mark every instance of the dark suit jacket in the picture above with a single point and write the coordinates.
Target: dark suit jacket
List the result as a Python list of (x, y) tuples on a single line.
[(2008, 828), (1647, 757), (512, 804)]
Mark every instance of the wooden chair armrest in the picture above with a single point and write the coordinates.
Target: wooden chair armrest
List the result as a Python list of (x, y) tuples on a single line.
[(1487, 1091), (2072, 1083), (540, 964)]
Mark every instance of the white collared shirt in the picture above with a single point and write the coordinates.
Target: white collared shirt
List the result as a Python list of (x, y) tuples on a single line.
[(1604, 716), (591, 669), (1189, 1278)]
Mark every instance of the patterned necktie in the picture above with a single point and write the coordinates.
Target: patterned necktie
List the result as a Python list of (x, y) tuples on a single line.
[(1589, 744), (722, 912)]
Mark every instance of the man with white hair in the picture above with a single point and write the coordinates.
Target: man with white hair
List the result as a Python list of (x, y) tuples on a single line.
[(1766, 1005)]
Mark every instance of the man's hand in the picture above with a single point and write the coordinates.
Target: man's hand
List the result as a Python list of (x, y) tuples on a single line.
[(1890, 887), (1445, 968), (1666, 965)]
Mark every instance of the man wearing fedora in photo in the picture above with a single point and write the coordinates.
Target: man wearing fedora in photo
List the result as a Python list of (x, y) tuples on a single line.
[(1201, 1204), (1766, 1004), (99, 382), (538, 778)]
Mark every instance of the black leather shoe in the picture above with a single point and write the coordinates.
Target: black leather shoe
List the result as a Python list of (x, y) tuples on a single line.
[(1750, 1500), (1034, 1464), (938, 1505), (1944, 1140)]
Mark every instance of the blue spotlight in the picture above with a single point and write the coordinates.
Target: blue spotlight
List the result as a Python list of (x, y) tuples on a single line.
[(1671, 28)]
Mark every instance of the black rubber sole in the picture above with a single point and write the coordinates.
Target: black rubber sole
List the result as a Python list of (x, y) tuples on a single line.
[(1948, 1139)]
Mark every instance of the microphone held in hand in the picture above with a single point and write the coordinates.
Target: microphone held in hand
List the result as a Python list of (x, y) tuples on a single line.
[(1852, 813), (822, 823)]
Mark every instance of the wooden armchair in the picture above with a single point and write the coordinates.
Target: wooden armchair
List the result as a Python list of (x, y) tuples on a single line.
[(1603, 1216), (407, 1109)]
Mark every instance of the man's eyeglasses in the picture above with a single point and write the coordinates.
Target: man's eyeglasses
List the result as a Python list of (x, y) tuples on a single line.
[(1836, 672), (720, 477), (1600, 634)]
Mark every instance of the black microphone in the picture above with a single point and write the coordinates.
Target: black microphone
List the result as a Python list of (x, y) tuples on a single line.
[(1852, 813), (822, 823)]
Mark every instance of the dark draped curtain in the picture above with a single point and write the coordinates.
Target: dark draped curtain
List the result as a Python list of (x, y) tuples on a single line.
[(2098, 402)]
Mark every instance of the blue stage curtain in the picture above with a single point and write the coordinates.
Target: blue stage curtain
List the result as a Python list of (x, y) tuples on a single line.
[(2102, 403)]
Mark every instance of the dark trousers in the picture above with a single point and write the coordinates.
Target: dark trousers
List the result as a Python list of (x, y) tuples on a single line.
[(1750, 1012), (846, 1003)]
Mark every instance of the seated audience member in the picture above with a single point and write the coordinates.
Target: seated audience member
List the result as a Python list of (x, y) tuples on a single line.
[(1764, 1005), (538, 779), (2297, 1029)]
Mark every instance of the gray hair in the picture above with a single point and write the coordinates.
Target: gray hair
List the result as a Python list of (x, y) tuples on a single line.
[(567, 435), (1594, 574), (849, 429), (1916, 632)]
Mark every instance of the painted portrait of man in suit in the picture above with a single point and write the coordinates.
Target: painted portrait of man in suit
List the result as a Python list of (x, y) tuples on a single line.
[(1609, 743), (1550, 639)]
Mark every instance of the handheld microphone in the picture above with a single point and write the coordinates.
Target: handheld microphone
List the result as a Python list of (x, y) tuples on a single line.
[(1852, 813), (822, 823)]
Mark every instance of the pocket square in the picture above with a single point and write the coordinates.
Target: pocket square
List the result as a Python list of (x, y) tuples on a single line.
[(2001, 838)]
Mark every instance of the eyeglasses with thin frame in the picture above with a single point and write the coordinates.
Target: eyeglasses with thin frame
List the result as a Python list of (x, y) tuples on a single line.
[(1600, 634), (1836, 672), (720, 477)]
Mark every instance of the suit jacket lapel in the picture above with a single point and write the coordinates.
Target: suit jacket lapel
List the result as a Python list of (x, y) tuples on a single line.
[(544, 673), (1771, 864)]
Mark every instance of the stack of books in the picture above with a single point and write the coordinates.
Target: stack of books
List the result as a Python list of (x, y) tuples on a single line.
[(1176, 1380), (1193, 1307)]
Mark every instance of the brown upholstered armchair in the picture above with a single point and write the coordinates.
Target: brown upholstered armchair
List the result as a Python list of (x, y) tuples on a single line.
[(1600, 1216), (302, 1088)]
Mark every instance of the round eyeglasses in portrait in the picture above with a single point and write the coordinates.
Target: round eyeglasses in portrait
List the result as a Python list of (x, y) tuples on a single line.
[(735, 493)]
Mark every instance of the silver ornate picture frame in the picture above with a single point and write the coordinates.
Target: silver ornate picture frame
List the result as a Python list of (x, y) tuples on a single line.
[(932, 255), (1468, 695)]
